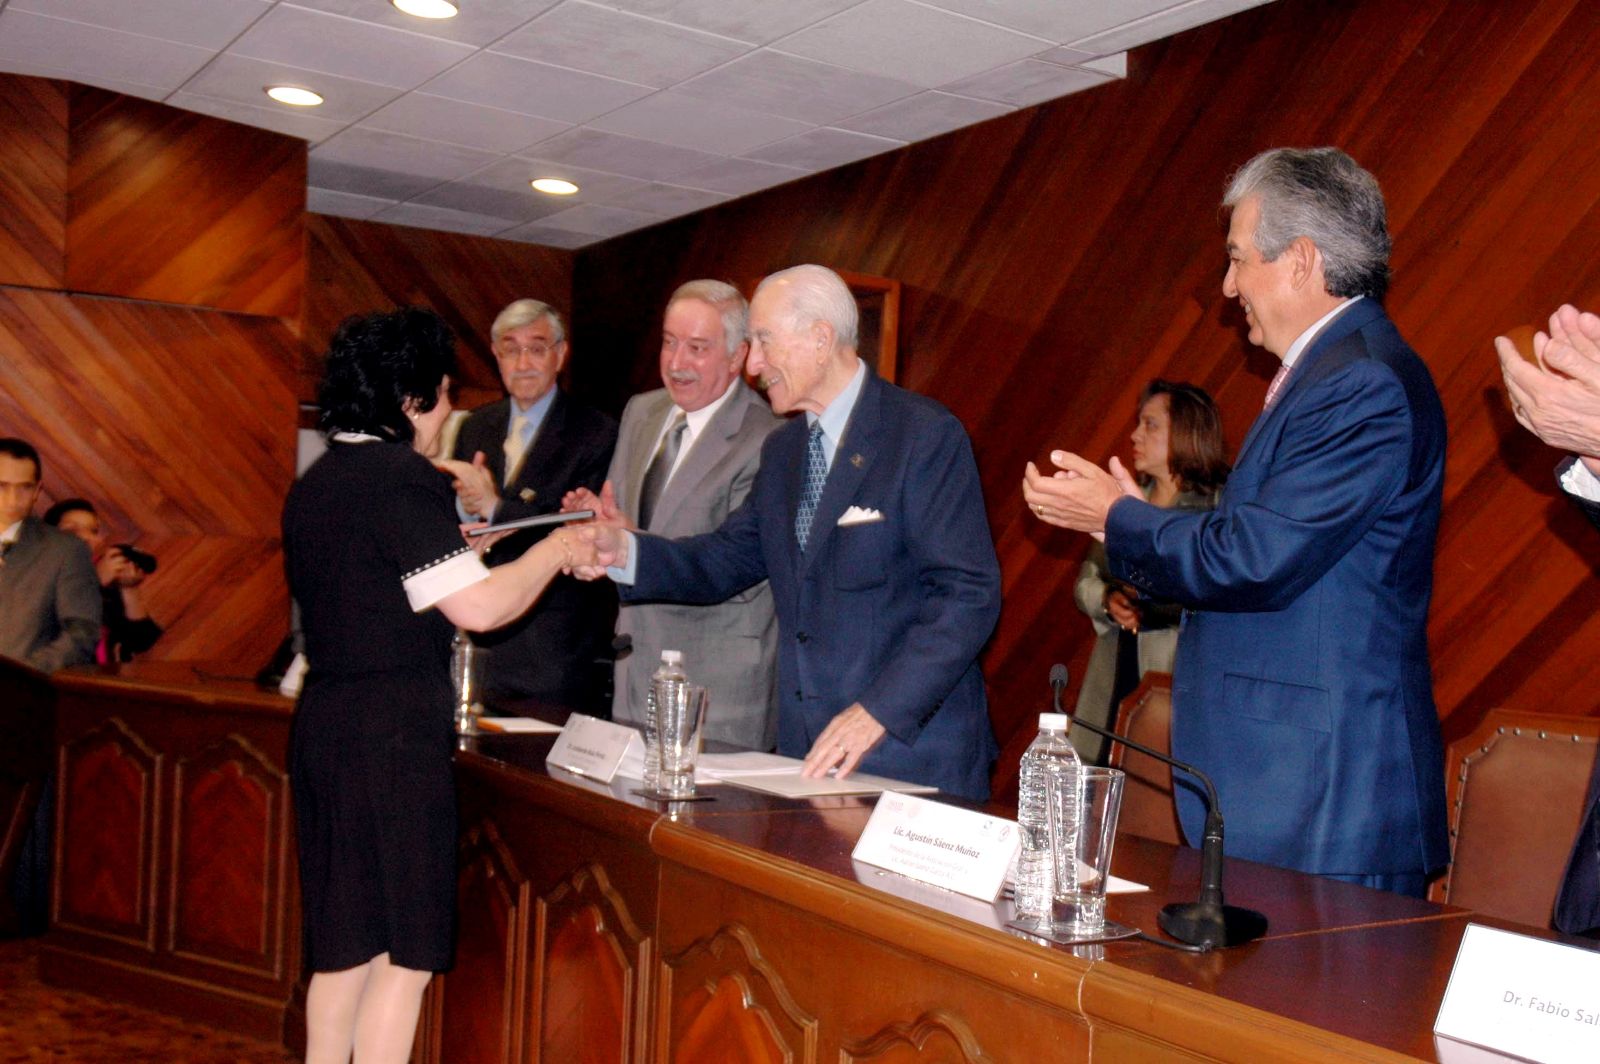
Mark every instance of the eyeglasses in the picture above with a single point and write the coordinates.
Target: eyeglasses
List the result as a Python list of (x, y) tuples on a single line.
[(510, 351)]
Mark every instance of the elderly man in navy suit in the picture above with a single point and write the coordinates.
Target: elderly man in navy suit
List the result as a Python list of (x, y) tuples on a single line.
[(1302, 681), (868, 519)]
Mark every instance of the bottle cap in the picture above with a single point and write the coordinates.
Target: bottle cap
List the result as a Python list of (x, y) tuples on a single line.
[(1052, 722), (672, 657)]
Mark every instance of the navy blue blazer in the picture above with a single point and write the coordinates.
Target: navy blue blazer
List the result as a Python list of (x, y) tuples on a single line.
[(1302, 681), (891, 613), (1578, 902)]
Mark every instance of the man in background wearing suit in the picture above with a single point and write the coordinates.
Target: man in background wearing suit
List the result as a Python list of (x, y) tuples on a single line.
[(516, 458), (1302, 681), (868, 519), (686, 457), (1558, 400), (49, 594)]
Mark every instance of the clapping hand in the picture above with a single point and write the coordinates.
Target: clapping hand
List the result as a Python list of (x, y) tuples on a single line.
[(473, 484), (1558, 399)]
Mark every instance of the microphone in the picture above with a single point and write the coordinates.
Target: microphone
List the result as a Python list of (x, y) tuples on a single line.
[(1207, 922)]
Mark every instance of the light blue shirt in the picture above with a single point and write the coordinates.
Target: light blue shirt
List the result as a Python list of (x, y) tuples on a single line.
[(835, 417), (535, 414)]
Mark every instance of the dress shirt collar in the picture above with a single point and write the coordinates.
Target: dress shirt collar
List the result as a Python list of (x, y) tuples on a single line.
[(1303, 341), (535, 413), (12, 534), (837, 415), (697, 419)]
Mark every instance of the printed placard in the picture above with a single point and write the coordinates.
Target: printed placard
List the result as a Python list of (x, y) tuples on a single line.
[(593, 747), (1530, 997), (931, 842)]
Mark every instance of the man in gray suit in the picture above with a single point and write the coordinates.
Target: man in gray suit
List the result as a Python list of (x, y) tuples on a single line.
[(49, 595), (686, 457)]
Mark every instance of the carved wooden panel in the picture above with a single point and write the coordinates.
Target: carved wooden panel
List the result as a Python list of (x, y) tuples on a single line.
[(720, 1000), (1057, 258), (589, 961), (33, 181), (480, 995), (937, 1037), (230, 807), (178, 207), (357, 267), (179, 425), (106, 810)]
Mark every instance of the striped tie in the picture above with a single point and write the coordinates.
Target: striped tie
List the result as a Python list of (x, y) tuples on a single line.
[(1276, 385), (811, 494)]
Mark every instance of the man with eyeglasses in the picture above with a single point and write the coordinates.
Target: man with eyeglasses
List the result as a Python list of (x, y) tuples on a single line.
[(516, 458)]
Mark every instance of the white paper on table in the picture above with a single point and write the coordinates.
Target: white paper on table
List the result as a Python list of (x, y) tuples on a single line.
[(791, 784), (747, 763), (518, 726)]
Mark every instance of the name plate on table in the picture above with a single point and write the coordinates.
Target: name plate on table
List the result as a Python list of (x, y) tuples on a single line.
[(1535, 999), (935, 843), (593, 747)]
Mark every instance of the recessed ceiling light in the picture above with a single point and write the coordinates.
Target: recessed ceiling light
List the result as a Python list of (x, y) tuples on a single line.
[(554, 186), (292, 96), (427, 8)]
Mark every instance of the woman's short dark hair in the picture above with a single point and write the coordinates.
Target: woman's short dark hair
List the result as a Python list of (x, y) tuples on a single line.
[(1195, 453), (53, 516), (376, 363)]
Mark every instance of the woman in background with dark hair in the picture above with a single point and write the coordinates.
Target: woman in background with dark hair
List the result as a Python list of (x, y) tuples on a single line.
[(1178, 458), (382, 574), (126, 627)]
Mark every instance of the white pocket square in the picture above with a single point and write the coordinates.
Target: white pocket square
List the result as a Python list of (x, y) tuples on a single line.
[(858, 515)]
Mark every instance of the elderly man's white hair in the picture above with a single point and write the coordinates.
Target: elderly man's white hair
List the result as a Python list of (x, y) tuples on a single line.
[(526, 312), (816, 293)]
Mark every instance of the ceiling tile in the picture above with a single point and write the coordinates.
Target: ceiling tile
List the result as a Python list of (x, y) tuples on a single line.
[(378, 150), (676, 118), (1115, 64), (203, 23), (519, 206), (348, 47), (924, 115), (795, 87), (1162, 24), (601, 41), (1055, 20), (1026, 83), (601, 221), (616, 154), (514, 173), (912, 43), (755, 21), (436, 118), (424, 217), (823, 148), (232, 77), (539, 233), (343, 204), (669, 201), (479, 23), (534, 88), (1065, 56), (364, 181), (739, 176), (90, 53), (290, 121)]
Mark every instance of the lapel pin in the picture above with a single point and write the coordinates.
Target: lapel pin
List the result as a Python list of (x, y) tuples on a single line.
[(857, 461), (527, 494)]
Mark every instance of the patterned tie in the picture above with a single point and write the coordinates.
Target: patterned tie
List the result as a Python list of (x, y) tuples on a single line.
[(811, 494), (515, 446), (1276, 385), (659, 471)]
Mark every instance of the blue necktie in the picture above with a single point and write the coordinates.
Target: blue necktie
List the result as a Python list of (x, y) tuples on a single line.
[(811, 494)]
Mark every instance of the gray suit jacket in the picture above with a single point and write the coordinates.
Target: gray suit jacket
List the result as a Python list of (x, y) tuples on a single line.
[(49, 599), (730, 648)]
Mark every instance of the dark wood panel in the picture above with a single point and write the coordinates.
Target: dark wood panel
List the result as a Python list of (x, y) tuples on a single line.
[(107, 807), (179, 425), (33, 181), (358, 267), (179, 207), (1055, 259)]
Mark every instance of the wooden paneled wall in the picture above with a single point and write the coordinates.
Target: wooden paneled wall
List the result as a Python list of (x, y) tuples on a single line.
[(1057, 258)]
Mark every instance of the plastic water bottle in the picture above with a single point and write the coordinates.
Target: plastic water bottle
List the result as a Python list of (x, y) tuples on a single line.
[(670, 671), (1050, 754)]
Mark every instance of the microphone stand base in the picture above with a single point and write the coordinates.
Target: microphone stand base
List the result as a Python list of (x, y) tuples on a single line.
[(1212, 926)]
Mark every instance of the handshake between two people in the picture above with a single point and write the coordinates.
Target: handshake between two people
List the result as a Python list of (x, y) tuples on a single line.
[(591, 546)]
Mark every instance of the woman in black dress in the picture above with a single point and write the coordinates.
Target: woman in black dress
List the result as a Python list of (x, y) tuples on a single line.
[(378, 564)]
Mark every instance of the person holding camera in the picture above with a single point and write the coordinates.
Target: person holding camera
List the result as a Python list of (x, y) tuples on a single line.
[(126, 625)]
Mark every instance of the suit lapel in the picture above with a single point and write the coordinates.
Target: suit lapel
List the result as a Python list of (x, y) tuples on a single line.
[(541, 453), (641, 449), (707, 451), (492, 444), (851, 463)]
